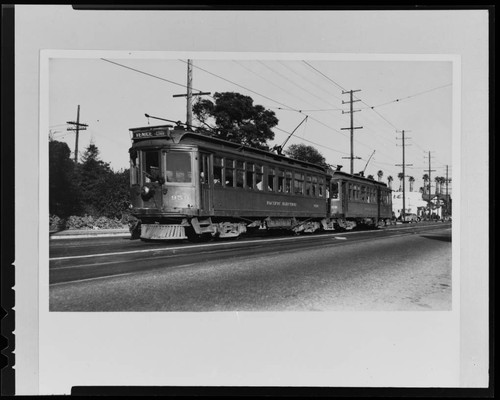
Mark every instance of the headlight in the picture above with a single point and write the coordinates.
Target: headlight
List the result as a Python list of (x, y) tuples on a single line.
[(147, 193)]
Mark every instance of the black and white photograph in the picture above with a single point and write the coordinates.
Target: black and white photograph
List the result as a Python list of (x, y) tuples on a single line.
[(264, 185), (252, 198)]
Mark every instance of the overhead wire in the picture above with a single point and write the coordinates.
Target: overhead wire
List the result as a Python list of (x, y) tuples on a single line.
[(368, 106), (411, 96), (268, 98), (148, 74), (287, 107), (305, 78), (291, 81)]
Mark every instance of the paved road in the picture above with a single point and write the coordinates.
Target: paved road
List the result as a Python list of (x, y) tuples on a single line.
[(373, 270)]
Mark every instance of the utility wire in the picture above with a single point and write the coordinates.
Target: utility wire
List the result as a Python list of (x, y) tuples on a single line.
[(243, 87), (411, 96), (327, 77), (305, 79), (266, 80), (283, 76), (310, 141), (268, 98), (148, 74)]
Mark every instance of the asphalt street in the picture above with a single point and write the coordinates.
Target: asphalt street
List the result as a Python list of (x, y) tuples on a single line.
[(406, 268)]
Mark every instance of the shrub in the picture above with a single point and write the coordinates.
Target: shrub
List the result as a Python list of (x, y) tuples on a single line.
[(56, 223), (89, 222)]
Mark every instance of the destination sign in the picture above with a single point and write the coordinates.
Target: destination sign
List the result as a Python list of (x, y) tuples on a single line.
[(150, 133)]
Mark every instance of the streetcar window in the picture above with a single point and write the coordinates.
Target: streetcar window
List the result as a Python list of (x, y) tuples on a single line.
[(298, 184), (308, 185), (229, 172), (179, 167), (314, 186), (151, 165), (281, 181), (249, 175), (335, 190), (288, 182), (270, 179), (363, 193), (320, 187), (218, 171), (240, 173), (259, 183)]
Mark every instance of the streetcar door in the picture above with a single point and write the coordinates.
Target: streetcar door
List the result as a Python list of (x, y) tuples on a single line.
[(206, 184)]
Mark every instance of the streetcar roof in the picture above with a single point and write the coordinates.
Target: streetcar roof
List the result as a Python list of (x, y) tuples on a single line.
[(361, 178), (179, 135)]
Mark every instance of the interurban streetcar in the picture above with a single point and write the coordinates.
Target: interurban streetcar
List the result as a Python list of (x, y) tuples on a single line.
[(185, 185)]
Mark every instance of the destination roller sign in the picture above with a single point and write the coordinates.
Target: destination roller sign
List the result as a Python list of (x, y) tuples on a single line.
[(144, 133)]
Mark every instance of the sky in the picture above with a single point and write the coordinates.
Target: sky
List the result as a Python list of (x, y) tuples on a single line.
[(394, 95)]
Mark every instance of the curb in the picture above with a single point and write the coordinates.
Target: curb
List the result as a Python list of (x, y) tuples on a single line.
[(88, 233)]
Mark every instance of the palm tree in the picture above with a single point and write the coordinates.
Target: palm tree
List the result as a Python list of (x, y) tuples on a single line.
[(389, 181), (401, 176), (411, 179), (426, 187), (380, 174), (437, 179)]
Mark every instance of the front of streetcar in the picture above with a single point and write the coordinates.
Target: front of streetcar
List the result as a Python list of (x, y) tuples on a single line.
[(163, 183)]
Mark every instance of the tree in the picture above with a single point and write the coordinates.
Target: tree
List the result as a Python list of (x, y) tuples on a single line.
[(400, 177), (380, 174), (437, 179), (306, 153), (92, 175), (104, 193), (426, 187), (389, 181), (235, 118), (411, 179), (63, 187)]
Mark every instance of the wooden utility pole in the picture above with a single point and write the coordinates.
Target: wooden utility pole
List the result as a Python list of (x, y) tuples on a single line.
[(404, 174), (447, 199), (430, 184), (189, 95), (77, 127), (352, 127)]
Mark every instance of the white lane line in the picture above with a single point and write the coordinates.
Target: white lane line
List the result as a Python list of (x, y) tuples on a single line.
[(122, 261), (112, 276), (91, 279), (207, 245)]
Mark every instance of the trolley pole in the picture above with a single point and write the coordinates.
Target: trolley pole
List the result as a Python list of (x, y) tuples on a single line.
[(189, 95), (352, 127), (404, 174), (77, 127)]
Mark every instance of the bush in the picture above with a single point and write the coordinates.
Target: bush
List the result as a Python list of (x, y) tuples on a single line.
[(56, 223), (89, 222)]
